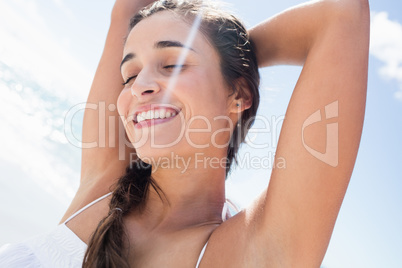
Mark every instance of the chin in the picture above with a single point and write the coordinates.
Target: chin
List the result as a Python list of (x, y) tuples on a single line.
[(167, 156)]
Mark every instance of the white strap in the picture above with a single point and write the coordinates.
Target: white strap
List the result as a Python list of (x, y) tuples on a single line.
[(232, 206), (201, 255), (87, 206), (224, 211)]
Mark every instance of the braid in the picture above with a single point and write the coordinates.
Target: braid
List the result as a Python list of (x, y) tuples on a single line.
[(106, 244)]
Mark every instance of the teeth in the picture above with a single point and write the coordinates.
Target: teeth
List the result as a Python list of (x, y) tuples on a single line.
[(162, 114), (140, 118), (152, 114)]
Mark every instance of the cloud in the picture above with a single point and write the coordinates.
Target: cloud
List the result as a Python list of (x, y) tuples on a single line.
[(30, 47), (386, 45), (40, 79), (31, 137)]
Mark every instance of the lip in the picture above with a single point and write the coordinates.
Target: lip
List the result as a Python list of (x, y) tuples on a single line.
[(150, 122)]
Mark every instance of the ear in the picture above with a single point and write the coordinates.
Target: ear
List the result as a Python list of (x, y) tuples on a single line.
[(242, 98)]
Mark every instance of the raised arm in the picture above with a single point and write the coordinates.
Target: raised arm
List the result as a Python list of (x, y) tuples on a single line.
[(288, 37), (294, 219), (104, 160)]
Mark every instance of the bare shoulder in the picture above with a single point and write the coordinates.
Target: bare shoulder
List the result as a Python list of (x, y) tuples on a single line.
[(239, 243), (85, 223), (88, 192)]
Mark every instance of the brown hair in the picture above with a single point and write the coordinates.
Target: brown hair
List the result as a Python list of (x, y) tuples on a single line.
[(240, 70)]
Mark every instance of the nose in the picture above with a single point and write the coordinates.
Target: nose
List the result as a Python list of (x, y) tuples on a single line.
[(145, 85)]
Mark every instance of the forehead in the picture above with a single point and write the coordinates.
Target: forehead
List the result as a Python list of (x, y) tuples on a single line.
[(162, 26)]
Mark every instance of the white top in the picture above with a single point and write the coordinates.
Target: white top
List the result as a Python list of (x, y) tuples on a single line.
[(59, 248)]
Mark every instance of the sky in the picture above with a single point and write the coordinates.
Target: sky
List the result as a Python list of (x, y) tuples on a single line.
[(49, 50)]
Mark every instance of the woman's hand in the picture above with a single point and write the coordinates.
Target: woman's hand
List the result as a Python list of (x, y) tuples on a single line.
[(124, 9)]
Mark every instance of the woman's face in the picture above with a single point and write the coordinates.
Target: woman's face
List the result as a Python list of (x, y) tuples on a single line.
[(200, 109)]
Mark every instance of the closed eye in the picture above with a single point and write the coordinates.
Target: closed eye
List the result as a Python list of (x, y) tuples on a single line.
[(129, 79), (173, 66)]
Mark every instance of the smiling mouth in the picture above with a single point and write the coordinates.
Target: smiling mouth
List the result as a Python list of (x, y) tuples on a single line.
[(154, 116), (163, 113)]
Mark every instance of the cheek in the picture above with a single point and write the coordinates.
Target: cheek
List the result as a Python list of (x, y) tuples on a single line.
[(207, 107), (209, 87), (123, 102)]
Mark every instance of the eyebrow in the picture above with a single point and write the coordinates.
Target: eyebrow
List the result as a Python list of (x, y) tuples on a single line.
[(126, 58), (157, 45), (165, 44)]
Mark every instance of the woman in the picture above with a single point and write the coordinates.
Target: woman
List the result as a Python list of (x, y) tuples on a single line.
[(205, 78)]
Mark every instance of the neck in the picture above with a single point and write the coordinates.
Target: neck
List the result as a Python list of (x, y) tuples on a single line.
[(187, 197)]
